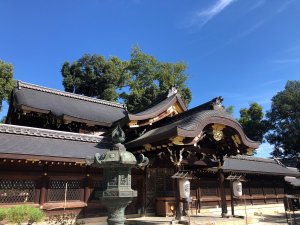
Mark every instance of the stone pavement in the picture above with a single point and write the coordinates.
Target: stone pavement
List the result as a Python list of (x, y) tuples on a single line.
[(212, 219), (258, 214)]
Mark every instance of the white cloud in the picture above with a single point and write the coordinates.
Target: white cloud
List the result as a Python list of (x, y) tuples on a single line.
[(200, 18)]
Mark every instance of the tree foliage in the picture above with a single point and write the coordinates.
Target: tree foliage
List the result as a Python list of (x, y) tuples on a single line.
[(253, 123), (143, 77), (230, 110), (6, 81), (284, 118), (93, 76)]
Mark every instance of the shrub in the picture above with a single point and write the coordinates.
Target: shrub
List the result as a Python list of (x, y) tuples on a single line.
[(35, 215), (21, 214), (3, 213)]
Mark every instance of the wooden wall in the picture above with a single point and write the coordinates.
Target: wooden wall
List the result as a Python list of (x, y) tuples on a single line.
[(44, 185)]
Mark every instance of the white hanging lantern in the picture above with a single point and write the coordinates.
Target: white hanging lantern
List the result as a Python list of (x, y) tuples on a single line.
[(184, 188), (237, 188)]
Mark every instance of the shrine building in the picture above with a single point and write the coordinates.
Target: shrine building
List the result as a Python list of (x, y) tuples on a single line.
[(49, 136)]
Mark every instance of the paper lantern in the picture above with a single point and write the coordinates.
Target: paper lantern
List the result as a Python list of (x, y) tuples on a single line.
[(237, 188), (184, 188)]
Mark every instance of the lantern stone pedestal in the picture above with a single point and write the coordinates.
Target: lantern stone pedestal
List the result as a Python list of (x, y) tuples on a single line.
[(116, 164)]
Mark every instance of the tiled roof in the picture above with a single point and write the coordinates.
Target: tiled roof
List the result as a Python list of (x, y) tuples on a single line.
[(293, 181), (255, 165), (60, 104), (190, 125), (158, 108), (48, 143)]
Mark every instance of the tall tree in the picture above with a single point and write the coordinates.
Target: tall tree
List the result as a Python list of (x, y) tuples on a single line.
[(143, 77), (6, 81), (93, 76), (230, 110), (149, 79), (284, 118), (252, 121)]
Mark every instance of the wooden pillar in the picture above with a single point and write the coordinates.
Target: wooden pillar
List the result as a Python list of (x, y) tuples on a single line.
[(198, 196), (144, 192), (179, 206), (44, 186), (231, 197), (37, 192), (221, 180), (87, 192), (87, 189), (178, 203), (87, 185)]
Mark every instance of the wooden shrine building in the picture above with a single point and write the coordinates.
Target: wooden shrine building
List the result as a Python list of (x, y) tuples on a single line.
[(50, 135)]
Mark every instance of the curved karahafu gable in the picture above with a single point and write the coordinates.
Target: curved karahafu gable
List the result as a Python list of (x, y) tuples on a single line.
[(171, 105), (202, 127)]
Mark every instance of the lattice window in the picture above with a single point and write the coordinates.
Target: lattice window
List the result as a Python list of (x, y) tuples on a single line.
[(59, 188), (17, 191)]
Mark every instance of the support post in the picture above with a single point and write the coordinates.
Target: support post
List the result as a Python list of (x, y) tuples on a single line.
[(87, 185), (44, 184), (222, 192), (43, 192), (231, 198), (198, 196), (144, 192), (178, 203)]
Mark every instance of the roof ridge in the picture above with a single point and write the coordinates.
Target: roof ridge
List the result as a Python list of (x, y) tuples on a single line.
[(46, 133), (202, 107), (278, 162), (21, 84), (252, 158)]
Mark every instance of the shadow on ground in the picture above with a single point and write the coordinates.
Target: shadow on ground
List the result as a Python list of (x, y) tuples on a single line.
[(280, 218)]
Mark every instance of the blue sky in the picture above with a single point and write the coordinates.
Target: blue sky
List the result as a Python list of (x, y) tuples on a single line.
[(243, 50)]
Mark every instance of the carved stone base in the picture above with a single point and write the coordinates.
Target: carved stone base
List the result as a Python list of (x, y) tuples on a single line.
[(116, 209)]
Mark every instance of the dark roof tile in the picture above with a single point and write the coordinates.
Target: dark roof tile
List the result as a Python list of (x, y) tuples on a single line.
[(255, 165), (41, 142), (61, 104)]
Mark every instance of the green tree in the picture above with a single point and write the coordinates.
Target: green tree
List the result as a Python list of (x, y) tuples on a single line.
[(148, 79), (6, 81), (252, 122), (230, 110), (93, 76), (284, 119), (143, 76)]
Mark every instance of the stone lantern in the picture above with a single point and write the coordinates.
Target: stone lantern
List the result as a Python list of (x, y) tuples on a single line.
[(116, 164)]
